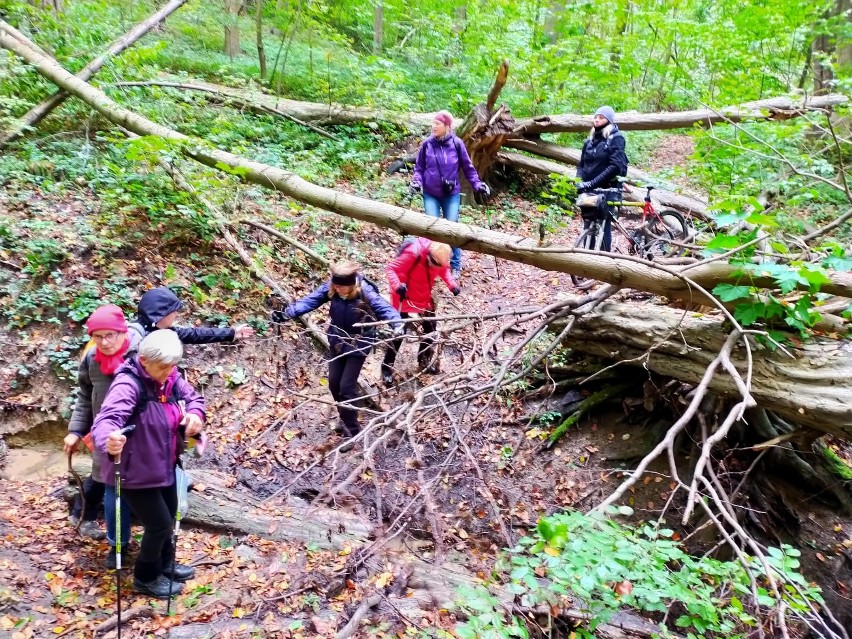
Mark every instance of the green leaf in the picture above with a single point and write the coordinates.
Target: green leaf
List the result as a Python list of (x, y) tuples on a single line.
[(722, 243), (747, 314), (730, 292)]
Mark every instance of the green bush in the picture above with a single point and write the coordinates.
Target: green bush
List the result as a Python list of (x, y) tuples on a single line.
[(600, 566)]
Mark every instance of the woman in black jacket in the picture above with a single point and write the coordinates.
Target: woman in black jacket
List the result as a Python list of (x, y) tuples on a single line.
[(353, 300), (602, 160)]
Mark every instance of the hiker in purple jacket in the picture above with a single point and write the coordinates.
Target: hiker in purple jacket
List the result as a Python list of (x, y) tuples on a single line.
[(436, 176), (148, 392)]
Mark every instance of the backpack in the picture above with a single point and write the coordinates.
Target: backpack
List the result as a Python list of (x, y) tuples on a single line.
[(622, 166), (145, 396), (407, 241)]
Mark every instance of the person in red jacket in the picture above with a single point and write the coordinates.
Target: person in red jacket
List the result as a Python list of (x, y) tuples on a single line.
[(411, 276)]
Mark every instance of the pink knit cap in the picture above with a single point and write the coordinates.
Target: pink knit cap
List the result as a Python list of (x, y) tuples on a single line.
[(107, 318), (445, 117)]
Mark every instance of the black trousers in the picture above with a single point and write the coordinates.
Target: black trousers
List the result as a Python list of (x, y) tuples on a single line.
[(156, 509), (94, 493), (426, 348), (343, 372)]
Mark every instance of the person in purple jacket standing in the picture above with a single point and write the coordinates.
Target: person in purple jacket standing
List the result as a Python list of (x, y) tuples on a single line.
[(436, 176), (149, 393)]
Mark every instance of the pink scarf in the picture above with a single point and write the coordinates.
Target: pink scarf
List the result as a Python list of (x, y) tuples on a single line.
[(110, 363)]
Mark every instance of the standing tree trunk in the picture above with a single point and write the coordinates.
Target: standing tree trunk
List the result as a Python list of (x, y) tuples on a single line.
[(824, 49), (261, 54), (53, 5), (378, 27), (232, 27)]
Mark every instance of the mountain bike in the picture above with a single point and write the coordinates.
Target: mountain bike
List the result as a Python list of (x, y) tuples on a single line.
[(659, 234)]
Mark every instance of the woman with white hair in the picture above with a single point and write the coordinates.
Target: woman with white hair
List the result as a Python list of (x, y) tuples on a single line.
[(149, 393), (436, 176), (602, 160)]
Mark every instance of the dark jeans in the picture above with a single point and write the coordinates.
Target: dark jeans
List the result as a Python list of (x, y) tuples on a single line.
[(343, 372), (606, 241), (156, 509), (94, 494), (426, 349), (448, 208)]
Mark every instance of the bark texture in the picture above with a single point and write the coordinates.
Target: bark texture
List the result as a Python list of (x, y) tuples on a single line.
[(809, 388)]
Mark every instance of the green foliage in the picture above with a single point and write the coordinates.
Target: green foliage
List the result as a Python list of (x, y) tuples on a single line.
[(606, 566)]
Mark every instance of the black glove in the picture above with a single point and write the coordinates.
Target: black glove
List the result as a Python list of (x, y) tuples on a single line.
[(584, 186), (484, 188), (415, 187), (279, 317), (455, 290), (402, 291)]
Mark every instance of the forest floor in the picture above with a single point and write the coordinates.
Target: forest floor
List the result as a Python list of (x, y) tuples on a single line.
[(270, 429)]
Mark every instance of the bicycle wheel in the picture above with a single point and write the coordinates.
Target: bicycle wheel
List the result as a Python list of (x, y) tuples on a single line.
[(658, 245), (676, 225), (587, 240), (665, 236)]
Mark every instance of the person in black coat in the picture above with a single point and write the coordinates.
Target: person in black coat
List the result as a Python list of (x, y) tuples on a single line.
[(602, 161), (158, 309), (353, 300)]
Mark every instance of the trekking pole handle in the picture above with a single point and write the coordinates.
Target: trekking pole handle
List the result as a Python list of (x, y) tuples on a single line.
[(126, 431)]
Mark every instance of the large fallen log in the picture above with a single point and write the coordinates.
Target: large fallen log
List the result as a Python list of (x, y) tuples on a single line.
[(781, 108), (660, 198), (431, 587), (663, 197), (314, 112), (809, 388), (623, 271), (35, 115)]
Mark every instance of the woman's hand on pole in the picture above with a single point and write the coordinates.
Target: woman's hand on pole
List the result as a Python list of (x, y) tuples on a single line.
[(193, 424), (70, 443), (115, 443)]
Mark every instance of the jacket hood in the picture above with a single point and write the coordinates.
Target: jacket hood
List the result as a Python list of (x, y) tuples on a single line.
[(155, 305), (447, 139)]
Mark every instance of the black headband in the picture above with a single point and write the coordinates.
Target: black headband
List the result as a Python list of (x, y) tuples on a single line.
[(344, 280)]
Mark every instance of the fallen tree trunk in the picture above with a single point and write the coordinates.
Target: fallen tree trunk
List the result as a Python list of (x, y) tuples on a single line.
[(808, 388), (662, 197), (305, 111), (781, 108), (41, 111), (432, 588), (623, 271), (631, 193)]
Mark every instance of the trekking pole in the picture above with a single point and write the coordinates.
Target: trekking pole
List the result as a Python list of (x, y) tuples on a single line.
[(117, 465), (182, 488)]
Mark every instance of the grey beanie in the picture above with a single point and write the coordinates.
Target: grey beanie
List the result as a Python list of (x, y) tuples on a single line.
[(607, 112)]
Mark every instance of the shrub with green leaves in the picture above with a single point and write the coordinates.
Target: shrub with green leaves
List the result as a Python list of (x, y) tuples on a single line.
[(598, 566)]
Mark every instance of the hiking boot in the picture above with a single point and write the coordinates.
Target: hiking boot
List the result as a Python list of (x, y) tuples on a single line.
[(456, 274), (73, 520), (181, 573), (92, 530), (387, 377), (158, 588)]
